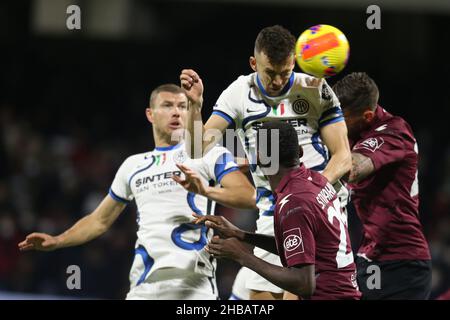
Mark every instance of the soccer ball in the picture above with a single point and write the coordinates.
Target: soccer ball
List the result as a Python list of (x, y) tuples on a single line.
[(322, 51)]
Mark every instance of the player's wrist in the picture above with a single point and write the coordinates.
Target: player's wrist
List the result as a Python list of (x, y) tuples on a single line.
[(197, 105), (58, 241), (240, 234), (206, 192)]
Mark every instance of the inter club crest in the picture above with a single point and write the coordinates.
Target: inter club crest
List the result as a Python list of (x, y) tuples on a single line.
[(371, 144), (300, 106), (180, 156)]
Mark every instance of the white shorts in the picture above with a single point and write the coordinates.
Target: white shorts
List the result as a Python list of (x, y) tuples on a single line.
[(255, 282), (190, 287), (239, 290)]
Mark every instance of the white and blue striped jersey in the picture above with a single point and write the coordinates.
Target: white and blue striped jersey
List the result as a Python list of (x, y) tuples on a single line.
[(307, 103), (166, 238)]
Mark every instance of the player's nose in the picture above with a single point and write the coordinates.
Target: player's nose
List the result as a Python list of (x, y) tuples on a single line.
[(277, 81), (176, 112)]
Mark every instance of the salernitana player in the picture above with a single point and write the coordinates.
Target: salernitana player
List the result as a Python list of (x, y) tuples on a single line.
[(385, 193)]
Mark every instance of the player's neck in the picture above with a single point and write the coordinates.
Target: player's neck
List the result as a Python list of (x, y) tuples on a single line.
[(163, 142), (274, 180)]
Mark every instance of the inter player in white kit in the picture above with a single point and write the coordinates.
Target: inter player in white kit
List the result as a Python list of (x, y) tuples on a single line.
[(275, 92), (170, 261)]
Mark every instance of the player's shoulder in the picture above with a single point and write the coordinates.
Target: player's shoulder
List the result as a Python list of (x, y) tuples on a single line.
[(305, 191), (315, 90), (218, 149), (215, 152), (299, 203), (307, 81), (392, 125)]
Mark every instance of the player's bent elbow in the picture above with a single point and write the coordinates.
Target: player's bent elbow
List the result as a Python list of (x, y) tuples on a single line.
[(306, 283), (305, 289), (347, 163)]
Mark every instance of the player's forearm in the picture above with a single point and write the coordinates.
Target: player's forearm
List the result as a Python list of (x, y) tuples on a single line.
[(84, 230), (288, 279), (236, 197), (195, 129), (262, 241), (339, 164), (362, 167)]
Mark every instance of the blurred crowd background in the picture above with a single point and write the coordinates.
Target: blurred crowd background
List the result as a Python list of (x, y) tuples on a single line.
[(72, 109)]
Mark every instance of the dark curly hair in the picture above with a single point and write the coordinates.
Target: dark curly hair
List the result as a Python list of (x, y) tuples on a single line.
[(357, 91), (276, 42), (289, 149)]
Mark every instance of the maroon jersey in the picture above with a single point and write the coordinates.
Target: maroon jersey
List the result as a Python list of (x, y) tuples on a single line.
[(310, 229), (387, 202)]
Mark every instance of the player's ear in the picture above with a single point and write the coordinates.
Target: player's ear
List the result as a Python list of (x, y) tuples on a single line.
[(300, 152), (252, 61), (368, 115), (149, 114)]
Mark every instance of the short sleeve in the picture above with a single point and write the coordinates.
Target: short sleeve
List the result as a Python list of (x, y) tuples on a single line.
[(382, 148), (228, 104), (329, 106), (219, 162), (120, 189), (298, 229)]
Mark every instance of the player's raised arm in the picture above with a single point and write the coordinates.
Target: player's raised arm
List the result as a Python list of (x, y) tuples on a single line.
[(202, 137), (335, 138), (86, 229), (362, 167)]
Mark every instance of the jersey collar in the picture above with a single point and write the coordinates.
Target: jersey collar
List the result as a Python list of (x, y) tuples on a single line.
[(168, 148), (285, 89), (300, 171)]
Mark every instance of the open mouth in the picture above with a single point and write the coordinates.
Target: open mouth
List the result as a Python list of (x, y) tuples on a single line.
[(275, 90), (175, 125)]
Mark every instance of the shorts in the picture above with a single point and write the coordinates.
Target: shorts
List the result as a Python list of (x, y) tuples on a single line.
[(239, 290), (398, 279), (247, 279), (162, 286)]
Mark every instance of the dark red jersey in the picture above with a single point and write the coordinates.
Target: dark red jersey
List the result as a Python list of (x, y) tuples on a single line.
[(387, 202), (310, 229)]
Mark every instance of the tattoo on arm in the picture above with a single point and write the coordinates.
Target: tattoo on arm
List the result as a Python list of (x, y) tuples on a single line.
[(362, 167)]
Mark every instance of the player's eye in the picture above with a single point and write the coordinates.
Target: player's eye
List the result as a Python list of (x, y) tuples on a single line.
[(271, 74)]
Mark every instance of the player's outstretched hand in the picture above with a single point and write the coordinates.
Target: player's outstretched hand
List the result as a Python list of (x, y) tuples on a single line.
[(193, 86), (192, 181), (230, 248), (225, 228), (38, 241)]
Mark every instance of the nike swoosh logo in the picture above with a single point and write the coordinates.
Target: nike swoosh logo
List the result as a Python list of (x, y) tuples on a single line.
[(249, 110)]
